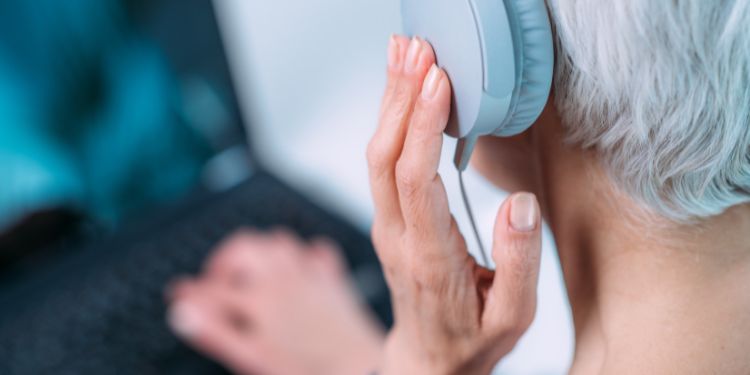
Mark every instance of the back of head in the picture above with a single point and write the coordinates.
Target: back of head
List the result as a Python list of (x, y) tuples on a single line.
[(661, 90)]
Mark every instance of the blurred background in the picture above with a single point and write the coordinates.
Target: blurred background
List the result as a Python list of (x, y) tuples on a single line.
[(134, 134)]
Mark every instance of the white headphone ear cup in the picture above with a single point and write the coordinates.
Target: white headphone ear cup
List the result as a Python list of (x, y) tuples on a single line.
[(533, 45)]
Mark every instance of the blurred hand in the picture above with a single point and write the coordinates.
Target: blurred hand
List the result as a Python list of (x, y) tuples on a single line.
[(271, 304), (451, 315)]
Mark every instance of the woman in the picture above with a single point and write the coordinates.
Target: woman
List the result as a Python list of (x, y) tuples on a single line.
[(640, 164)]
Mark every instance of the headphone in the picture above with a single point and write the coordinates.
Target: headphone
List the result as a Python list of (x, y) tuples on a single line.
[(499, 56)]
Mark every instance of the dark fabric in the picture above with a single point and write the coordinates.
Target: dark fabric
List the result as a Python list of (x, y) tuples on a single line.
[(102, 312)]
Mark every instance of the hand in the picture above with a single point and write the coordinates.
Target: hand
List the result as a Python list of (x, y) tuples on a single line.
[(451, 315), (271, 304)]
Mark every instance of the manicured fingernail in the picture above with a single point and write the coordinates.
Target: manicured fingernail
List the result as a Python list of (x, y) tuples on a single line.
[(524, 214), (393, 53), (431, 83), (185, 319), (412, 55)]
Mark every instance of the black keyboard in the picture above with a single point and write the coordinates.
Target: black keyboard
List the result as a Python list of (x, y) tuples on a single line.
[(101, 310)]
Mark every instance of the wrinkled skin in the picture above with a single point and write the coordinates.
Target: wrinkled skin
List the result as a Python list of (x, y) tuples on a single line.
[(269, 304)]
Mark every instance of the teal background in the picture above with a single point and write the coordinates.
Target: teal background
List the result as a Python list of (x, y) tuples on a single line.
[(89, 114)]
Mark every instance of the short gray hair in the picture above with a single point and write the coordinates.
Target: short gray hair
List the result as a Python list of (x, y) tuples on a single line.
[(661, 90)]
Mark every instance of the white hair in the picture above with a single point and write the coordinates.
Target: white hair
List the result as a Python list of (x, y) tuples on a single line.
[(661, 90)]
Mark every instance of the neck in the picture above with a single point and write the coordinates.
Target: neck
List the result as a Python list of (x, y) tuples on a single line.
[(630, 274)]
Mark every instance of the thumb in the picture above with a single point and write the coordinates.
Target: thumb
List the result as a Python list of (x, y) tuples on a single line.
[(516, 250)]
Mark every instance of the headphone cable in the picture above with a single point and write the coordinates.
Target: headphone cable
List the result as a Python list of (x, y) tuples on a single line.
[(467, 205)]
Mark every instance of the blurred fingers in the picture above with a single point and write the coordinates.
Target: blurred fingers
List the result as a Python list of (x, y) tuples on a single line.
[(326, 255), (225, 299), (204, 319), (233, 260), (251, 256)]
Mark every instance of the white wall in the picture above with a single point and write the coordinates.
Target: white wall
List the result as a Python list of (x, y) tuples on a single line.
[(310, 75)]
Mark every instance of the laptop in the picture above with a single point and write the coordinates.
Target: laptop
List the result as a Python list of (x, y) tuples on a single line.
[(90, 301)]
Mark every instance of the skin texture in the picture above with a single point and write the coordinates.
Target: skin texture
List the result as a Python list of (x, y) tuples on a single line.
[(271, 304), (451, 315), (648, 295)]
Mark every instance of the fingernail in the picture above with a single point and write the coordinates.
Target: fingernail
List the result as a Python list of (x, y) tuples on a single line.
[(412, 55), (524, 213), (431, 83), (393, 53), (185, 319)]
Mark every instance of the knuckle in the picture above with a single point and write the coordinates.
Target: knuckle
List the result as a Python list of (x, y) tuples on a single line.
[(518, 252), (407, 179), (390, 86), (423, 128), (401, 102), (423, 271), (426, 279), (426, 122), (517, 321), (235, 244), (421, 278), (377, 155)]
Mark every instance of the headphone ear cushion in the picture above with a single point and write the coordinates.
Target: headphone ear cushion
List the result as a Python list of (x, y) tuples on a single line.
[(533, 47)]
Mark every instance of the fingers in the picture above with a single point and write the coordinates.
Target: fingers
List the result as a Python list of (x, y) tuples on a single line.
[(251, 257), (421, 193), (203, 319), (516, 251), (231, 301), (405, 152), (326, 256), (239, 324), (234, 261), (408, 62)]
